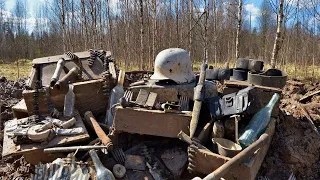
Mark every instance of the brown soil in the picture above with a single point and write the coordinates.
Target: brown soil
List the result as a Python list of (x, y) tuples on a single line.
[(295, 147)]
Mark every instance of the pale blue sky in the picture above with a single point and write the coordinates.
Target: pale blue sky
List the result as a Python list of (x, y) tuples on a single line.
[(252, 6)]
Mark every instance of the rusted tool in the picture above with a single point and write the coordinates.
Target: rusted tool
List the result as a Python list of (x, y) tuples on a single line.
[(38, 86), (184, 137), (64, 81), (184, 103), (89, 118), (57, 72), (119, 155), (170, 107), (205, 133), (77, 60), (72, 148), (236, 160), (198, 97), (194, 146)]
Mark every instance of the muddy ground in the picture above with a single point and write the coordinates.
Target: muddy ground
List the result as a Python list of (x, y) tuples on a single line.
[(295, 146)]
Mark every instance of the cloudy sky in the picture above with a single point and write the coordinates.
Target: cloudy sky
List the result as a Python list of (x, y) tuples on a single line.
[(250, 6)]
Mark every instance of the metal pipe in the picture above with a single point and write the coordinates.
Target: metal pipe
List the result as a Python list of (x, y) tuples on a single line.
[(72, 148), (57, 72), (64, 81)]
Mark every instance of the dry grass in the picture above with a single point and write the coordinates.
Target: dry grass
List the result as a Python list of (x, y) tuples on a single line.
[(14, 70), (10, 70)]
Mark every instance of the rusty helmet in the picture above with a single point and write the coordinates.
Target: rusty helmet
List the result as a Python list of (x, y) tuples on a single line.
[(174, 64)]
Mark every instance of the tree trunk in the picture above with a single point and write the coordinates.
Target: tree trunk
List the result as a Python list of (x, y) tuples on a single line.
[(206, 15), (190, 26), (141, 36), (177, 23), (239, 28), (215, 33), (154, 28), (84, 21), (278, 39), (63, 24), (110, 27)]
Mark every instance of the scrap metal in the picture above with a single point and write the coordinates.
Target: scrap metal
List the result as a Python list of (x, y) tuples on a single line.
[(198, 98), (72, 149), (57, 72), (65, 168), (118, 155), (96, 127), (74, 72)]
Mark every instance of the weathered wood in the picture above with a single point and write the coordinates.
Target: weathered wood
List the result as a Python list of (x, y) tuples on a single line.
[(307, 98), (54, 59), (150, 122), (20, 110), (32, 78), (239, 158), (11, 149), (167, 94), (206, 162), (243, 84), (89, 97)]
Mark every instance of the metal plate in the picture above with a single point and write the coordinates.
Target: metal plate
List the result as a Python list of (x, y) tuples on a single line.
[(142, 97)]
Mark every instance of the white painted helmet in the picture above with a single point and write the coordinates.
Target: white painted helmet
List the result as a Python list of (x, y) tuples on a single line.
[(174, 64)]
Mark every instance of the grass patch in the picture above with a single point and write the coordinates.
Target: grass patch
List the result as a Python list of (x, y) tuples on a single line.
[(14, 70), (298, 72), (10, 69)]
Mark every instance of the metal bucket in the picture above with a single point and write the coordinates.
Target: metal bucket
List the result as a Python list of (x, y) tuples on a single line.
[(226, 147)]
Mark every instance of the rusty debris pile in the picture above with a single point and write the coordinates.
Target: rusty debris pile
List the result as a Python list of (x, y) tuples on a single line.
[(83, 117)]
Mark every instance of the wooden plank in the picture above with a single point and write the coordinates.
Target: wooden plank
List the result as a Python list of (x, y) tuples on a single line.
[(207, 162), (32, 78), (150, 122), (307, 98), (54, 59), (234, 83), (11, 149), (20, 110), (89, 97)]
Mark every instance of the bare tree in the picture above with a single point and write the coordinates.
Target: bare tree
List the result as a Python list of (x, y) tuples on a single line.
[(278, 39), (63, 25), (239, 18), (141, 35), (190, 26)]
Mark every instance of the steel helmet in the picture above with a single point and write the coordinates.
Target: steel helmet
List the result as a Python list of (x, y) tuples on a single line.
[(174, 64)]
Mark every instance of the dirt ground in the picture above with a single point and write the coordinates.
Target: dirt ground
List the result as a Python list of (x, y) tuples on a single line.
[(295, 146)]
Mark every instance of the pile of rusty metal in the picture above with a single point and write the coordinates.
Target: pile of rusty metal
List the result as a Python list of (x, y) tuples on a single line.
[(84, 118)]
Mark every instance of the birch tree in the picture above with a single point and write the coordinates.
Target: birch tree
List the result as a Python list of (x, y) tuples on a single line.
[(278, 40)]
